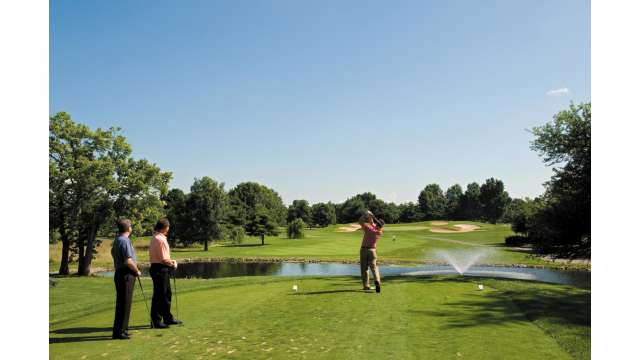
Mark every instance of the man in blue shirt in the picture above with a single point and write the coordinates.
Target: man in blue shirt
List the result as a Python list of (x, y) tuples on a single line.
[(124, 261)]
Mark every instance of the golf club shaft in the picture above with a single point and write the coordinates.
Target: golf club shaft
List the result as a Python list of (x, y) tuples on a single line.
[(175, 289), (145, 299)]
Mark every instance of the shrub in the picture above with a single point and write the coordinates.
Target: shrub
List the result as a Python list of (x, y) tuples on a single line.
[(236, 234), (54, 236), (516, 240), (295, 230)]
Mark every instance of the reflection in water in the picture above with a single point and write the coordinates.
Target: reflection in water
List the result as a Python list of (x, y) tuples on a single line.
[(209, 270)]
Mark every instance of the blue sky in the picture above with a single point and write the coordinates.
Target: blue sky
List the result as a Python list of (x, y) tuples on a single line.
[(323, 100)]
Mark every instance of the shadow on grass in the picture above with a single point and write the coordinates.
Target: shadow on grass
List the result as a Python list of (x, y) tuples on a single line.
[(330, 292), (86, 330), (554, 305), (78, 339), (243, 245)]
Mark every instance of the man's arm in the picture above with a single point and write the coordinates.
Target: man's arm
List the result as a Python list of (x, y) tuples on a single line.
[(133, 266), (128, 253), (167, 261)]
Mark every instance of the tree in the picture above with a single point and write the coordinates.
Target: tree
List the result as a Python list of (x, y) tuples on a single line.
[(453, 205), (207, 203), (177, 213), (563, 226), (351, 210), (514, 208), (92, 181), (409, 212), (299, 209), (246, 197), (295, 229), (431, 202), (261, 223), (470, 203), (323, 214), (390, 213), (493, 200)]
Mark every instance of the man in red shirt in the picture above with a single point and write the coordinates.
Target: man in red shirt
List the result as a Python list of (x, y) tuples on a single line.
[(368, 256)]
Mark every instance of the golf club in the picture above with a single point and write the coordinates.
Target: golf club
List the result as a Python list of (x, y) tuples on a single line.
[(175, 290), (145, 301)]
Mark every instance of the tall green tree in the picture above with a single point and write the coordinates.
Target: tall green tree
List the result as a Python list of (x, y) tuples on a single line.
[(299, 209), (207, 204), (246, 197), (470, 202), (453, 207), (493, 199), (178, 215), (409, 212), (351, 210), (261, 223), (323, 214), (92, 180), (431, 202), (390, 213), (563, 226)]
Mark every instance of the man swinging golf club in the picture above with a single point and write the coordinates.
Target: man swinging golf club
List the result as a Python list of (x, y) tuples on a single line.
[(372, 228), (124, 261), (160, 271)]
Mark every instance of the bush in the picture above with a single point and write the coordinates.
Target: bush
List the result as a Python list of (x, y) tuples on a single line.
[(516, 240), (236, 234), (54, 236), (295, 230)]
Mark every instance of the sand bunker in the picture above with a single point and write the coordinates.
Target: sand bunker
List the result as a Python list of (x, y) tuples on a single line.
[(349, 228), (461, 229), (439, 223)]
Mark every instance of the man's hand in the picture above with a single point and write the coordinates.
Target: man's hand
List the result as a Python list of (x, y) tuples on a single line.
[(139, 274), (175, 264)]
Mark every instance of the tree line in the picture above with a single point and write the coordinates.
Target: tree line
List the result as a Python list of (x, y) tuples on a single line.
[(93, 180)]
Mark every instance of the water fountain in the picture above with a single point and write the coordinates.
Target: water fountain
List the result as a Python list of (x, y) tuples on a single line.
[(462, 260)]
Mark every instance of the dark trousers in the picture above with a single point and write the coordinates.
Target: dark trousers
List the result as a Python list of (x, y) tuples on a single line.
[(124, 280), (161, 302)]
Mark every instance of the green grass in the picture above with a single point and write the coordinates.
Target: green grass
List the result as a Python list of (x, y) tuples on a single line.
[(415, 243), (443, 317)]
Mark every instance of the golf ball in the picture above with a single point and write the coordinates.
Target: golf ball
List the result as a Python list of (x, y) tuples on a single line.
[(295, 288), (481, 287)]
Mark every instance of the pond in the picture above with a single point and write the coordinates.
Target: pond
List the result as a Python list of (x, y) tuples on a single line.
[(210, 270)]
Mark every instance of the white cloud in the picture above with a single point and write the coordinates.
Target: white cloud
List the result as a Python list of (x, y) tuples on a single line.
[(558, 92)]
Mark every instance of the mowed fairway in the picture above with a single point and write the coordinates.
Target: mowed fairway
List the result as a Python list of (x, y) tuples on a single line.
[(415, 243), (330, 318)]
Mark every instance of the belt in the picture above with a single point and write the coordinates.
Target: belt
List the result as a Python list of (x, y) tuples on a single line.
[(368, 248)]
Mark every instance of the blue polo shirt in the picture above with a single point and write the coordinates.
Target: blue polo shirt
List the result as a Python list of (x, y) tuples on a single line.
[(121, 249)]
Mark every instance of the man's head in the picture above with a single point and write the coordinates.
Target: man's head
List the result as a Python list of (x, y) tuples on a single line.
[(162, 226), (367, 217), (124, 226)]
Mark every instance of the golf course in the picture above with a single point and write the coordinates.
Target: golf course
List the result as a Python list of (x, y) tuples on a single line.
[(313, 180), (330, 316), (416, 243)]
